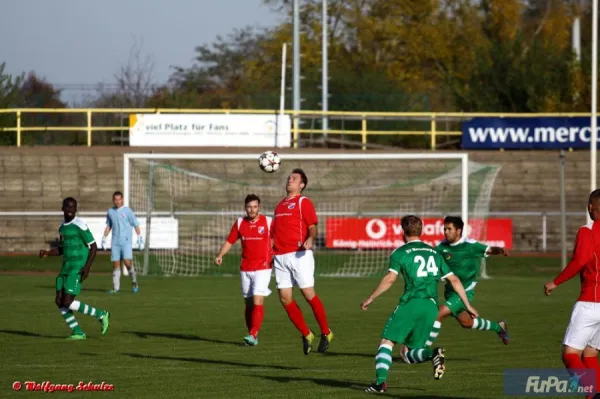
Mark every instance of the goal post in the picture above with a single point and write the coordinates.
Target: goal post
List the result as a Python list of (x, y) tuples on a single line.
[(190, 202)]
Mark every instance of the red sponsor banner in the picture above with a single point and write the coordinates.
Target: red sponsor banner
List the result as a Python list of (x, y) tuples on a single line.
[(386, 233)]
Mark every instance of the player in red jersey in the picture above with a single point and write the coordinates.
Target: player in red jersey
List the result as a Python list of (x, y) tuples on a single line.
[(582, 338), (294, 233), (255, 269)]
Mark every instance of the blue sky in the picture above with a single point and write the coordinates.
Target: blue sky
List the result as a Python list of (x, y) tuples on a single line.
[(86, 42)]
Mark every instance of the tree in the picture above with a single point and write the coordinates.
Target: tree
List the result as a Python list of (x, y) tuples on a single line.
[(219, 78), (36, 92), (9, 87), (524, 64), (134, 82), (9, 94)]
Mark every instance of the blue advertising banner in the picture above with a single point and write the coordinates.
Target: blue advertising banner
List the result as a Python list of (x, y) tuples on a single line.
[(526, 133)]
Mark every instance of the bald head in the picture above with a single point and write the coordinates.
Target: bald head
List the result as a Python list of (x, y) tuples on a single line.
[(594, 205)]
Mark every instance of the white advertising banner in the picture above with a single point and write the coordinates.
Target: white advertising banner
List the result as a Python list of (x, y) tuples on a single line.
[(210, 130), (164, 232)]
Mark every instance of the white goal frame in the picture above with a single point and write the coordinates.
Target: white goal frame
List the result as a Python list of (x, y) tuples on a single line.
[(462, 157)]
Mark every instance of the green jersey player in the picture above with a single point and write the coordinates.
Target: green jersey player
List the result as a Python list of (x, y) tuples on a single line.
[(410, 323), (464, 258), (78, 249)]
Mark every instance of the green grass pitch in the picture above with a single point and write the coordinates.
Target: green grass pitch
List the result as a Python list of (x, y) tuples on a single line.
[(181, 337)]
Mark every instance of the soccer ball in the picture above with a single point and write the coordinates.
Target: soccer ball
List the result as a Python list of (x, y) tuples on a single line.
[(269, 161)]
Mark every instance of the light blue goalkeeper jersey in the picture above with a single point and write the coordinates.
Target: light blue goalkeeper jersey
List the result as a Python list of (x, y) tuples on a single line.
[(121, 221)]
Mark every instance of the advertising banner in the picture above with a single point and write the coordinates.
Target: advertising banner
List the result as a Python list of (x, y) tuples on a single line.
[(386, 233), (526, 133), (210, 130)]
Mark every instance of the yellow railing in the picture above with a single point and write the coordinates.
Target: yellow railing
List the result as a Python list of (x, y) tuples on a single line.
[(432, 119)]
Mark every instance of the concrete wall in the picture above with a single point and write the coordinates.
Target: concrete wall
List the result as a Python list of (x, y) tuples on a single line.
[(38, 178)]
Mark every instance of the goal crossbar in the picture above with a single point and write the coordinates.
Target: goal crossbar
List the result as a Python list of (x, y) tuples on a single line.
[(463, 157), (191, 197)]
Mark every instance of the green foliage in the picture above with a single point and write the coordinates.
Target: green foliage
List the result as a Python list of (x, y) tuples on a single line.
[(459, 55), (384, 55), (9, 95)]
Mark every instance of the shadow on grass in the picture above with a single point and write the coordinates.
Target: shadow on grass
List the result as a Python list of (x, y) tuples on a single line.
[(209, 361), (83, 289), (185, 337), (333, 383), (396, 359), (30, 334)]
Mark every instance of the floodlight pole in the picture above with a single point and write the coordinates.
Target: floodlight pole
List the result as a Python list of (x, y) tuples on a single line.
[(594, 132)]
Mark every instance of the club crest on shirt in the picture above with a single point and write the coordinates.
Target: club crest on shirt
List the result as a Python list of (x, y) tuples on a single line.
[(447, 256), (292, 205), (261, 229)]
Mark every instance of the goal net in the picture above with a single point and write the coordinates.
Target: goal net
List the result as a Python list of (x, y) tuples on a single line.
[(191, 201)]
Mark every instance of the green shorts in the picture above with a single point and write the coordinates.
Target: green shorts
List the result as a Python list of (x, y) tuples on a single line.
[(455, 304), (69, 283), (411, 323)]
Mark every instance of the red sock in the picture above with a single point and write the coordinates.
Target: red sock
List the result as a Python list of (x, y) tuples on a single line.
[(573, 361), (319, 311), (258, 313), (295, 315), (592, 363), (248, 315)]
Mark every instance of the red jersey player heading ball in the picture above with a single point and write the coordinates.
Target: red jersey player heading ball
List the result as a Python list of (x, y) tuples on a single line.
[(582, 338), (294, 233), (255, 269)]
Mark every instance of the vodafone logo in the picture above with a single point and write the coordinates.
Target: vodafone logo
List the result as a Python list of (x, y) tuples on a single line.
[(376, 229)]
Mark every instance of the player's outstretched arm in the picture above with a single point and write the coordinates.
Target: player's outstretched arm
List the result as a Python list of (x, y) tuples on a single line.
[(497, 251), (386, 282), (224, 249), (85, 272), (582, 254), (53, 252), (460, 290)]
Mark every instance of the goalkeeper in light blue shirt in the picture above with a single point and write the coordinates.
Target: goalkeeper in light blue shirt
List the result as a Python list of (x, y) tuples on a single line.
[(121, 220)]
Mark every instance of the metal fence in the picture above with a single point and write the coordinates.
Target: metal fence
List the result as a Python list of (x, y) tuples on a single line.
[(532, 231), (106, 126)]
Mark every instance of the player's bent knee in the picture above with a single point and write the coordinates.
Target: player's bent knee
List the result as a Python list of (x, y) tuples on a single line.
[(67, 300), (569, 350), (590, 351), (466, 324), (285, 296), (308, 293), (258, 300)]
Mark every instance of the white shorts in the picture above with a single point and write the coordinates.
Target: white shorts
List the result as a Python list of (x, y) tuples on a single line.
[(295, 268), (584, 326), (256, 283)]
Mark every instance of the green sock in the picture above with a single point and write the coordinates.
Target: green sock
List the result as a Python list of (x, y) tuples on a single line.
[(383, 361), (483, 324), (70, 320), (415, 356), (433, 334), (88, 310)]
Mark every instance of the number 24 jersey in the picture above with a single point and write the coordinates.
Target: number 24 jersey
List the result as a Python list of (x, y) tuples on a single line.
[(422, 268)]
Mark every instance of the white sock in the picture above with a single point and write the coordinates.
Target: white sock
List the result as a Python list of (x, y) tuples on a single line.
[(74, 305), (133, 274), (117, 278)]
